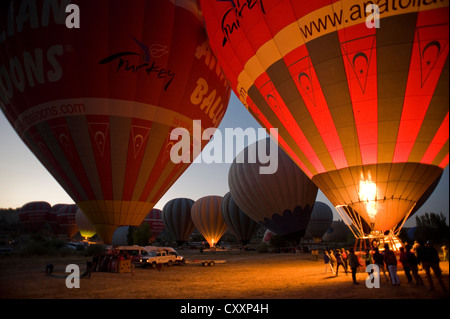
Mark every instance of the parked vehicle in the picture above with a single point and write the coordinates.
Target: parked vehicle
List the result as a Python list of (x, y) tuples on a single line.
[(160, 255), (179, 259)]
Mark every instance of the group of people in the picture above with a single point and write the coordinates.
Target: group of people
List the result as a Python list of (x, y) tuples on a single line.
[(338, 257), (342, 258), (411, 258), (108, 261)]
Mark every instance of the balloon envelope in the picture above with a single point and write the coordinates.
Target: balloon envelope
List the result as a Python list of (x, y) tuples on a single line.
[(85, 226), (282, 201), (238, 222), (53, 218), (363, 111), (321, 219), (34, 215), (337, 232), (177, 218), (97, 104), (206, 213), (66, 219), (155, 220)]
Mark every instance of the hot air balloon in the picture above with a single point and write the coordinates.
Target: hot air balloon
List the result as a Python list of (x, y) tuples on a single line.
[(362, 110), (66, 220), (120, 237), (238, 222), (154, 219), (337, 232), (177, 218), (321, 219), (206, 213), (281, 202), (34, 215), (97, 104), (84, 225), (52, 218)]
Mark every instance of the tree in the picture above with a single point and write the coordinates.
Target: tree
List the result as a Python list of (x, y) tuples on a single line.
[(431, 226)]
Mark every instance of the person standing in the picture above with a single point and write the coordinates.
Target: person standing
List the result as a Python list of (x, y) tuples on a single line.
[(332, 258), (339, 262), (405, 265), (378, 260), (429, 258), (391, 263), (345, 258), (367, 258), (327, 260), (413, 263), (354, 264)]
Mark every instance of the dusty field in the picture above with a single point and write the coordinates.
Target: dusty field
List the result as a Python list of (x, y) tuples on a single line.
[(244, 276)]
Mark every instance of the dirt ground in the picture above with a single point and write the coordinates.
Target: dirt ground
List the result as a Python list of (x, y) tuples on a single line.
[(244, 275)]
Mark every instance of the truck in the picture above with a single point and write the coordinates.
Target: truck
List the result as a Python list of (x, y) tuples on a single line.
[(158, 257)]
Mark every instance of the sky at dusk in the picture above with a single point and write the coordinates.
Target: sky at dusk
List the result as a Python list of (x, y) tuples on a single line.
[(23, 179)]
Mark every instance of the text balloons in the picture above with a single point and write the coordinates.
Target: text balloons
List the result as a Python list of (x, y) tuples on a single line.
[(97, 104), (363, 111), (206, 213), (176, 215), (282, 202)]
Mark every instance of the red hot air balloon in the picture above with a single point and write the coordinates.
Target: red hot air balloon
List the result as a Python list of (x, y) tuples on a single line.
[(363, 111), (206, 213), (66, 220), (97, 104), (34, 215), (177, 218), (154, 219)]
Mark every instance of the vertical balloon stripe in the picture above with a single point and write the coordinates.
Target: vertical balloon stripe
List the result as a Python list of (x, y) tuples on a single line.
[(330, 70), (305, 78), (429, 54), (358, 46), (63, 134), (444, 162), (100, 137), (260, 107), (137, 144), (393, 60), (437, 143)]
